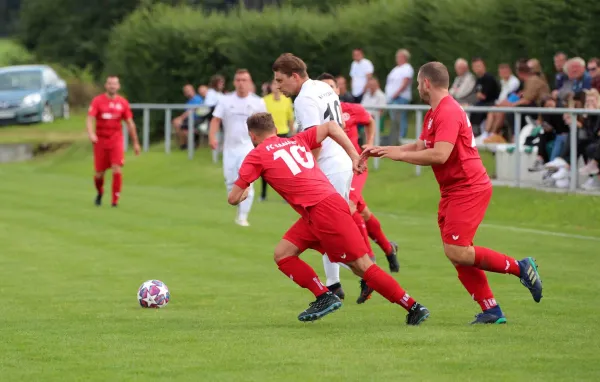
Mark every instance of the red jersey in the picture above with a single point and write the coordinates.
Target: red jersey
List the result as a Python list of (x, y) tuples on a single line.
[(288, 165), (109, 112), (354, 114), (463, 172)]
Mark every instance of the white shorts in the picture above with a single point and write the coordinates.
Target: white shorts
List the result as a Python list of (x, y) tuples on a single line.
[(232, 161), (341, 181)]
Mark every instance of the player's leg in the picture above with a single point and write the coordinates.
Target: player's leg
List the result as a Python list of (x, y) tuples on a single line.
[(245, 206), (101, 164), (332, 224), (263, 190), (365, 290), (375, 232), (117, 160), (294, 242)]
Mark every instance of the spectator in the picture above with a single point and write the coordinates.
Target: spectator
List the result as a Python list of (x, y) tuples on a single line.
[(578, 80), (361, 70), (281, 108), (180, 123), (561, 76), (398, 91), (463, 86), (554, 135), (345, 96), (592, 68), (589, 141), (202, 92), (534, 89), (509, 83), (374, 97), (215, 90), (536, 68), (486, 88)]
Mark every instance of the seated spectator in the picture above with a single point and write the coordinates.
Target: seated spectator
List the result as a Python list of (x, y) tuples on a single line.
[(202, 92), (463, 86), (374, 97), (554, 135), (560, 60), (180, 123), (486, 88), (345, 95), (578, 80), (589, 141), (509, 85), (534, 89), (594, 72), (215, 90), (536, 68)]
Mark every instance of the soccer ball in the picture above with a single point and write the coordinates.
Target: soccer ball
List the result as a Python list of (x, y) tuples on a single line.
[(153, 294)]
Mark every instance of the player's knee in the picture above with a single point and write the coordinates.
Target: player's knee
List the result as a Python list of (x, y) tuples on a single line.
[(99, 174), (360, 265), (459, 255), (116, 169), (284, 249)]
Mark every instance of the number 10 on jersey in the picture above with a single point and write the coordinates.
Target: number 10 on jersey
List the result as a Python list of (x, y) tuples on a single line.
[(294, 160)]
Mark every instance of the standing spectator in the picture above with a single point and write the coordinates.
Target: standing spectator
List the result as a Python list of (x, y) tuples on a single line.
[(345, 96), (398, 91), (592, 68), (215, 90), (361, 70), (560, 60), (463, 86), (282, 111), (180, 123), (487, 89)]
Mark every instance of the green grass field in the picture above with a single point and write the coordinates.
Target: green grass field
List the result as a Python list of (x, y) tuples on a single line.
[(71, 270)]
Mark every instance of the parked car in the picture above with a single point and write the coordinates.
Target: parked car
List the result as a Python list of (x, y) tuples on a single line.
[(30, 94)]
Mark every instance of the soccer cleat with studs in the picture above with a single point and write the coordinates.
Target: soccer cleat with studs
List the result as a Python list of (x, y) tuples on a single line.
[(392, 258), (530, 277), (337, 290), (488, 318), (322, 306), (98, 200), (365, 292), (417, 314)]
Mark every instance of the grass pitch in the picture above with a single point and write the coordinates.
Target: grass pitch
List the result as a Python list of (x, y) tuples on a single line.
[(70, 272)]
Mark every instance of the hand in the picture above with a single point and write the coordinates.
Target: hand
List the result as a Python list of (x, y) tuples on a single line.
[(480, 96), (554, 93), (136, 148), (391, 152), (213, 143), (366, 146), (93, 138), (358, 164)]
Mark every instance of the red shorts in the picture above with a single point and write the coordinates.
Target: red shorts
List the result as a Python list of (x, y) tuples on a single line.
[(358, 183), (108, 154), (460, 216), (329, 228)]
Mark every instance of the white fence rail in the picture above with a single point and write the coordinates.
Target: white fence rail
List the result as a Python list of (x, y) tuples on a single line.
[(377, 112)]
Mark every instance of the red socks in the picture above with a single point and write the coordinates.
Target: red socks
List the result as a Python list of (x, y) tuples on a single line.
[(302, 274), (387, 286), (99, 182), (360, 223), (375, 232), (492, 261), (475, 282), (116, 187)]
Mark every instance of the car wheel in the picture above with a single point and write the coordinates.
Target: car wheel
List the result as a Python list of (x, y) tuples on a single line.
[(47, 114), (66, 111)]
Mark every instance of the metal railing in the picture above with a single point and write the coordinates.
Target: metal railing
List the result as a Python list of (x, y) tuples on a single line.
[(419, 110)]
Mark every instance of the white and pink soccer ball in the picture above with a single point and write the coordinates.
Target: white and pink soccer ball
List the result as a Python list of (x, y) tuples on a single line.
[(153, 294)]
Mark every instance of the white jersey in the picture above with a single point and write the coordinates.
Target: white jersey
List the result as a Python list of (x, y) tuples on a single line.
[(234, 111), (316, 104)]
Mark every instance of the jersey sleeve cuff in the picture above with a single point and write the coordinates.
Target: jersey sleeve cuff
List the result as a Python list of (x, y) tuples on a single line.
[(241, 183)]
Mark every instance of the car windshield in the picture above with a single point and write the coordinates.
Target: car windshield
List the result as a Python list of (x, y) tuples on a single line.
[(23, 80)]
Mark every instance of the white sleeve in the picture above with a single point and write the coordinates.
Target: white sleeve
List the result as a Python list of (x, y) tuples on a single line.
[(369, 69), (262, 106), (410, 72), (307, 113), (219, 111)]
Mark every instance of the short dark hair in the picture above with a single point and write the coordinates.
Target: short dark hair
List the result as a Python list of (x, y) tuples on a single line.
[(326, 76), (261, 123), (289, 64), (214, 80), (436, 73), (595, 60), (523, 68), (504, 65), (359, 49), (242, 71), (477, 59)]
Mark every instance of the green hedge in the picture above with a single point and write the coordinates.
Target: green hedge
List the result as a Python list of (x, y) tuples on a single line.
[(157, 49)]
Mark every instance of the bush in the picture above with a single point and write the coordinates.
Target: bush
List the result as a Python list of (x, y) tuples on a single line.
[(11, 53), (81, 85)]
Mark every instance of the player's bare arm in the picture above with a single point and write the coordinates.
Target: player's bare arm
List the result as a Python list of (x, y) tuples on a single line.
[(237, 195), (89, 123), (332, 130), (134, 137), (215, 123), (437, 155), (369, 134)]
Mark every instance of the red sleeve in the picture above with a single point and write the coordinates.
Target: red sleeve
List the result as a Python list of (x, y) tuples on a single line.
[(127, 114), (250, 170), (308, 138), (93, 109), (363, 117), (447, 124)]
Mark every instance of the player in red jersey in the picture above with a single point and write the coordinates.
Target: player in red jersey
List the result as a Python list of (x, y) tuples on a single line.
[(108, 110), (447, 144), (369, 226), (288, 166)]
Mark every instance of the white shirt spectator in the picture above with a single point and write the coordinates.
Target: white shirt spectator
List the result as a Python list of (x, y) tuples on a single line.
[(316, 104), (212, 97), (395, 80), (508, 86), (234, 111), (374, 100), (359, 72)]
